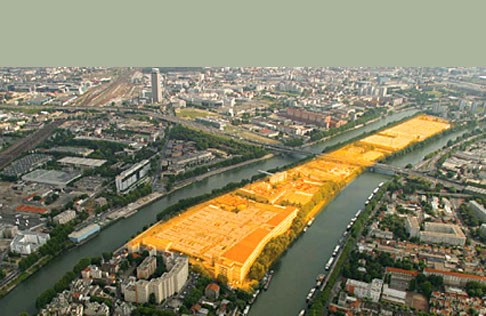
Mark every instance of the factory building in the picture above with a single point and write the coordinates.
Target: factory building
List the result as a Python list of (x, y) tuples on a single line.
[(82, 163)]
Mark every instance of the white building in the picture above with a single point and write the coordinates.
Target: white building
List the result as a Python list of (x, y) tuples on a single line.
[(162, 287), (439, 233), (412, 226), (361, 289), (27, 242), (394, 296), (478, 210), (128, 178)]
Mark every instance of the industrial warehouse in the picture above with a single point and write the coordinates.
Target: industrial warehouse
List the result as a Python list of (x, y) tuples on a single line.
[(84, 233), (227, 233)]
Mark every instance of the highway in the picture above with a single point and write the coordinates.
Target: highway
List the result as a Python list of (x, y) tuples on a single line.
[(428, 165), (418, 174)]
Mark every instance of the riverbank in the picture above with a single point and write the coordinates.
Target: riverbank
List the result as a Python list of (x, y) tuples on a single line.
[(22, 298), (290, 194), (189, 181), (124, 213), (132, 208), (364, 124), (319, 304)]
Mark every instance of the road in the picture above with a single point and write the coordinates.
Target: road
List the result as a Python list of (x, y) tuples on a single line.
[(418, 174), (428, 165)]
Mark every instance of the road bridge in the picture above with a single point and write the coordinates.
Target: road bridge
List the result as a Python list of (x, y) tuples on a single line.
[(390, 170)]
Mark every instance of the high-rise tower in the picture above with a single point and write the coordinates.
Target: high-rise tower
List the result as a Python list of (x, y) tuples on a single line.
[(156, 88)]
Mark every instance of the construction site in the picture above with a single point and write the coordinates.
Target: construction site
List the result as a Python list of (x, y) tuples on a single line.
[(226, 234)]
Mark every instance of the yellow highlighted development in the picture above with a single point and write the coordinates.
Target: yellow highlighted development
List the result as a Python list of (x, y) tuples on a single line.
[(226, 234)]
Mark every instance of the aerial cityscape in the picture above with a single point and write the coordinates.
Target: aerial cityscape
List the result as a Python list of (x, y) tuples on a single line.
[(243, 191)]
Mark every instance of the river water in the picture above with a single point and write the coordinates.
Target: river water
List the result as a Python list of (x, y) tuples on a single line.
[(297, 268)]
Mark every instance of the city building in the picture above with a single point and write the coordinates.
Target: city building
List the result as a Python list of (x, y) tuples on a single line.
[(79, 162), (147, 267), (188, 161), (92, 272), (96, 309), (52, 177), (456, 303), (64, 217), (126, 180), (156, 86), (212, 291), (8, 230), (171, 282), (400, 278), (482, 230), (412, 226), (371, 291), (80, 235), (393, 295), (300, 115), (27, 242), (443, 233), (216, 123), (455, 278), (478, 209), (81, 151)]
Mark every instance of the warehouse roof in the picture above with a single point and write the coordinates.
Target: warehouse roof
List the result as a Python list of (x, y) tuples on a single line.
[(53, 177), (82, 161)]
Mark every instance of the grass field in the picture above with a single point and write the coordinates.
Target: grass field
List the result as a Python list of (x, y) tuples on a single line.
[(192, 113)]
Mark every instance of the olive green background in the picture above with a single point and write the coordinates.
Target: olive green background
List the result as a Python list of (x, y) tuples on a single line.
[(240, 33)]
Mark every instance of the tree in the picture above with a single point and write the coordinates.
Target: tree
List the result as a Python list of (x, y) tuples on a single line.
[(193, 297), (96, 260), (107, 256), (152, 300), (426, 288), (475, 289), (81, 265), (124, 265), (222, 279)]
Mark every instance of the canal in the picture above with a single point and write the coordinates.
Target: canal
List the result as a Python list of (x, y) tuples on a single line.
[(298, 267)]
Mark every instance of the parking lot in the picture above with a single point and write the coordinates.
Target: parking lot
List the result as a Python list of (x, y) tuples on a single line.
[(25, 164)]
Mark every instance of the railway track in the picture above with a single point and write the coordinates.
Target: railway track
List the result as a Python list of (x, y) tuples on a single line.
[(27, 143)]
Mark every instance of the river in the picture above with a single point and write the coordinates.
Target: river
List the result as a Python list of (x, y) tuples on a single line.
[(298, 267)]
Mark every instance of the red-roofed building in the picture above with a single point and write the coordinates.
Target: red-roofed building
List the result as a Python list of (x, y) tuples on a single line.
[(212, 291), (31, 209), (455, 278)]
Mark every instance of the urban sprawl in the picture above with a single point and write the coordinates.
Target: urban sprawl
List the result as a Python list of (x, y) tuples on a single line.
[(83, 148)]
